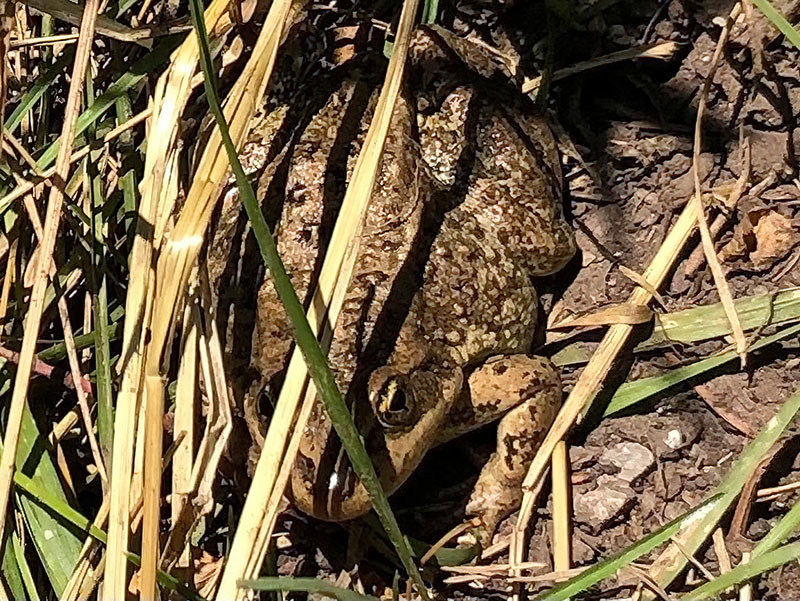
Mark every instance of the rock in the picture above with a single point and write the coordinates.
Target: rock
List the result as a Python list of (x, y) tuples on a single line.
[(630, 458), (597, 508)]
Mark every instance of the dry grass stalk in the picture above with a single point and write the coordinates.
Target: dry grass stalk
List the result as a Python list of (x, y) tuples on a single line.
[(659, 50), (730, 201), (6, 27), (705, 233), (217, 431), (721, 551), (764, 493), (272, 471), (178, 257), (85, 574), (562, 509), (37, 299), (185, 395), (451, 534), (44, 41), (171, 94)]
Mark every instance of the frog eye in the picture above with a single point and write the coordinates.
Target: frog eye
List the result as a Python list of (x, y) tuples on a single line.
[(395, 407)]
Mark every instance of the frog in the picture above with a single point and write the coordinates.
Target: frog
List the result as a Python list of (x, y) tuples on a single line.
[(435, 332)]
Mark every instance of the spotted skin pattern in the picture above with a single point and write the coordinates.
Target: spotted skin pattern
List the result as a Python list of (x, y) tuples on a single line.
[(472, 187)]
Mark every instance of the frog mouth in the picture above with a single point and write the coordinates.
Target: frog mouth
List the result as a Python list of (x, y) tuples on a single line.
[(338, 493)]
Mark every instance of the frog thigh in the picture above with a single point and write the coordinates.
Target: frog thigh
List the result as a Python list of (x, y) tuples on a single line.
[(528, 390)]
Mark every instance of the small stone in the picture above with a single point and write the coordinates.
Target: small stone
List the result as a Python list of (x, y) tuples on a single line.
[(674, 439), (609, 501), (632, 459)]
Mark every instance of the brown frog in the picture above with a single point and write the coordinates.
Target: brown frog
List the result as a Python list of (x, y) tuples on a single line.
[(441, 311)]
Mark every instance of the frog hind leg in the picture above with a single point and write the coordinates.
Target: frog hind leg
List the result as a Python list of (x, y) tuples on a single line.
[(528, 390)]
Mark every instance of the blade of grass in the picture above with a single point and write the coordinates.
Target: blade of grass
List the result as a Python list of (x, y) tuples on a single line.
[(779, 533), (304, 336), (58, 547), (779, 21), (703, 323), (305, 585), (99, 297), (744, 572), (634, 392), (39, 88), (52, 505), (24, 569), (609, 567), (12, 575)]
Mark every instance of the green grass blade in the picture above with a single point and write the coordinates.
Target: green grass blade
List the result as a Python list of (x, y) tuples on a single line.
[(127, 180), (305, 585), (12, 575), (779, 532), (779, 21), (634, 392), (39, 89), (608, 567), (63, 511), (704, 323), (58, 546), (24, 569), (761, 559), (744, 572), (430, 12), (306, 340), (59, 350)]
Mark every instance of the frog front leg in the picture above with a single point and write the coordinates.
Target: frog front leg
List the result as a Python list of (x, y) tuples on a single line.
[(527, 390)]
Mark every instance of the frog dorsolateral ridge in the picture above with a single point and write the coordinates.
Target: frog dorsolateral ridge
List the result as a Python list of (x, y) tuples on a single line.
[(441, 311)]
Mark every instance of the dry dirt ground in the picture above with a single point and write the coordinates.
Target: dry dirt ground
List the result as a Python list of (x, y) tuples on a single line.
[(627, 136)]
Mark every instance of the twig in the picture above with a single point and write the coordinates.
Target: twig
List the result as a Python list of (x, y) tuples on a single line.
[(46, 370), (705, 233)]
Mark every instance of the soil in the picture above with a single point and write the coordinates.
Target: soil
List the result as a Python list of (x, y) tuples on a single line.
[(627, 138)]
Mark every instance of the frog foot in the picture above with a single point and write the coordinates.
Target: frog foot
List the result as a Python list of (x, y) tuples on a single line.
[(532, 383)]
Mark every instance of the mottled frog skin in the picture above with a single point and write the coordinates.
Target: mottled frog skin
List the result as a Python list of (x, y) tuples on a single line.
[(441, 313)]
